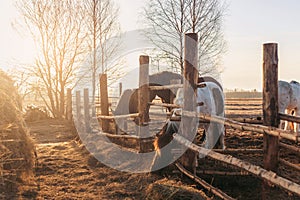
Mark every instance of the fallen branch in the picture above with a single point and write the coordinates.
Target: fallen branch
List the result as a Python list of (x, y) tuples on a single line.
[(256, 170), (207, 186), (211, 172)]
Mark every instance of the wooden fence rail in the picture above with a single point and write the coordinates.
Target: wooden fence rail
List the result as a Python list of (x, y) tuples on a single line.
[(166, 105), (247, 127), (117, 116), (253, 169), (290, 147), (289, 118), (287, 163)]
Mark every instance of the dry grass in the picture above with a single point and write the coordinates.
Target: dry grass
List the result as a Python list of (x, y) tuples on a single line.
[(170, 189), (16, 155)]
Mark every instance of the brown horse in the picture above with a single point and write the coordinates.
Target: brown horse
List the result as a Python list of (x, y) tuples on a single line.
[(128, 102)]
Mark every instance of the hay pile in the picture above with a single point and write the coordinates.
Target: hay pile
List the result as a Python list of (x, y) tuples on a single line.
[(170, 189), (16, 148)]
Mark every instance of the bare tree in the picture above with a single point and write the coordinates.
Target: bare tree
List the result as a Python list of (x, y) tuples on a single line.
[(169, 20), (56, 26), (103, 29)]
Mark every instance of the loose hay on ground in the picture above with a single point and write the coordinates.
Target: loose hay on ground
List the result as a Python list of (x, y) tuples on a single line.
[(17, 149), (170, 189)]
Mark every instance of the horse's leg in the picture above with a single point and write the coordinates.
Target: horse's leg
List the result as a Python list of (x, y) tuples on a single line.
[(222, 136), (289, 125), (296, 125), (284, 124)]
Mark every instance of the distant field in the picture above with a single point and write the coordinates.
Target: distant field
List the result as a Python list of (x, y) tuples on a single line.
[(243, 95)]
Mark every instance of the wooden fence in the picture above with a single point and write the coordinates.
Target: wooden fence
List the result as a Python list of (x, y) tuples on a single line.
[(272, 134)]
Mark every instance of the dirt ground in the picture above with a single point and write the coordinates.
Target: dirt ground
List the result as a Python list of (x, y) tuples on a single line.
[(65, 170)]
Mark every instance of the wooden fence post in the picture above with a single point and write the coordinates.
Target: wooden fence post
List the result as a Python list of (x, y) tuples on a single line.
[(188, 159), (270, 104), (78, 112), (86, 106), (78, 105), (69, 115), (143, 97), (270, 109), (143, 94), (104, 101)]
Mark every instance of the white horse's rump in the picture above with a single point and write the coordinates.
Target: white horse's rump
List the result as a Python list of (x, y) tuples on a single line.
[(289, 100), (212, 98)]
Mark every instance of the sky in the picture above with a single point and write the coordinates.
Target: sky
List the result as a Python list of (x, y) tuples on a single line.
[(247, 25)]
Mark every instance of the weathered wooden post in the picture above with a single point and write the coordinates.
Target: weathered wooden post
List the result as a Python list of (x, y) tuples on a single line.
[(86, 107), (270, 103), (143, 97), (270, 108), (104, 101), (69, 115), (188, 159), (78, 105)]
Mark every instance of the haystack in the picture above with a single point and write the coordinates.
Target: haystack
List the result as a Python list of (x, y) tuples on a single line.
[(16, 148)]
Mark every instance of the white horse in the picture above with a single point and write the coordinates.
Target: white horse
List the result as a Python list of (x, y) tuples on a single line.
[(210, 100), (289, 101)]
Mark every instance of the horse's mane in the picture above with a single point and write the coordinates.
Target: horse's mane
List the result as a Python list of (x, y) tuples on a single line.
[(202, 79), (163, 78), (294, 82)]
